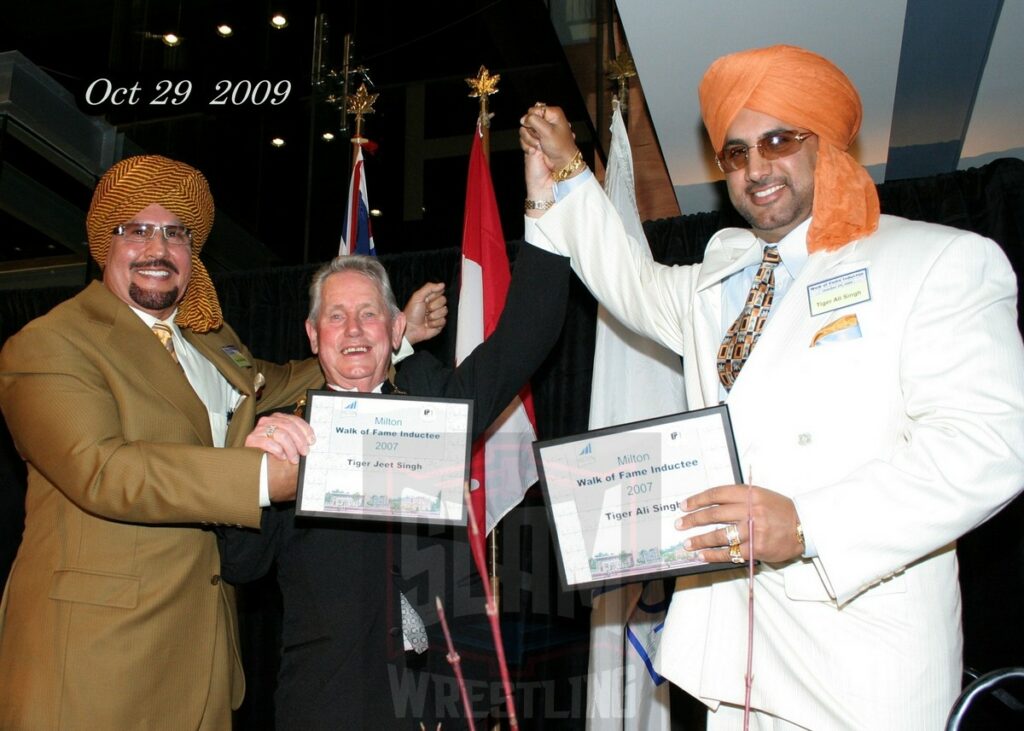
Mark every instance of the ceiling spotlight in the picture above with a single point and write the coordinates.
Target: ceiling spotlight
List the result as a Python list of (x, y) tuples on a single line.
[(278, 21), (225, 31), (170, 39), (376, 213), (277, 142), (328, 136)]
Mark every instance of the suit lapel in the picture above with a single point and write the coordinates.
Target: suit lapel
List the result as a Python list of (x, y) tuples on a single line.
[(129, 335), (729, 251), (792, 326)]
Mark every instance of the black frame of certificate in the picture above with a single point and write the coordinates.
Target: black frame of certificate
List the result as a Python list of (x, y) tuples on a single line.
[(722, 410), (311, 397)]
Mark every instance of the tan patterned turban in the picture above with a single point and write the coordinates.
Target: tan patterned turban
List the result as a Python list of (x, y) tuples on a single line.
[(137, 182), (805, 90)]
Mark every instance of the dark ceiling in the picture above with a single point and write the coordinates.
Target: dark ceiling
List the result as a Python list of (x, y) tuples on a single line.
[(288, 199)]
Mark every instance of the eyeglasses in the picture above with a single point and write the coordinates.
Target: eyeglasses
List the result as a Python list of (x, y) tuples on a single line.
[(140, 233), (771, 147)]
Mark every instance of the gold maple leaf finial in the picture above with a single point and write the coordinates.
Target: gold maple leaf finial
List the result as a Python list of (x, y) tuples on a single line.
[(361, 103), (622, 67), (484, 84)]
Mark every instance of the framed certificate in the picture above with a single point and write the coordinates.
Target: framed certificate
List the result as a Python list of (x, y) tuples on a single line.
[(386, 457), (613, 495)]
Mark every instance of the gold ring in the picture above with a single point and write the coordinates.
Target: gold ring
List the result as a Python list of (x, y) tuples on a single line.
[(732, 534), (734, 554), (270, 431)]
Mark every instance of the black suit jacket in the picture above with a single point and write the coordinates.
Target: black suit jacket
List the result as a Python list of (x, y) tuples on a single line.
[(343, 664)]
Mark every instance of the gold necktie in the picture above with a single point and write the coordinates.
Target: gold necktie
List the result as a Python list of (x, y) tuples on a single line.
[(743, 334), (163, 331)]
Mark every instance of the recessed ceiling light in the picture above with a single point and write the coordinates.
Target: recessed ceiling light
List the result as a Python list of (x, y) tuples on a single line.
[(171, 39), (278, 21), (277, 142), (328, 136), (225, 31), (376, 212)]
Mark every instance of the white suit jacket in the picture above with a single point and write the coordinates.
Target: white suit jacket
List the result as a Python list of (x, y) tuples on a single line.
[(892, 445)]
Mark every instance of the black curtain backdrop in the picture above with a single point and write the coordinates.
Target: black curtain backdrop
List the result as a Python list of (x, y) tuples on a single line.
[(546, 629)]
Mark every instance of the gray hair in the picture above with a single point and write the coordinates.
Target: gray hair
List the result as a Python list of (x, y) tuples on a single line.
[(368, 266)]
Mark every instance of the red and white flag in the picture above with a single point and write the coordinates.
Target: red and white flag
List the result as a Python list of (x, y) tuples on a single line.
[(502, 463), (356, 234)]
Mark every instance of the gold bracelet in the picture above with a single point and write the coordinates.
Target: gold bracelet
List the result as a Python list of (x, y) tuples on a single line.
[(571, 168), (530, 205)]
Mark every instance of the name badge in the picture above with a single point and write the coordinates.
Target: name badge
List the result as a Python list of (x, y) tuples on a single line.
[(842, 291), (233, 353)]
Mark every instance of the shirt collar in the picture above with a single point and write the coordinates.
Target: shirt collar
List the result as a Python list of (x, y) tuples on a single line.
[(793, 249), (355, 390), (150, 320)]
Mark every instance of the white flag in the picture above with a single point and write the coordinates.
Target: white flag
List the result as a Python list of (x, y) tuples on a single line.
[(634, 378)]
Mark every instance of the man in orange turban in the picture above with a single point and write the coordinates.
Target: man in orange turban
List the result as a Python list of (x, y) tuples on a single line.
[(807, 92), (133, 405), (881, 412)]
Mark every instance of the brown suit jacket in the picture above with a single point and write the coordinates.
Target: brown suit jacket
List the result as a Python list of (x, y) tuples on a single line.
[(114, 615)]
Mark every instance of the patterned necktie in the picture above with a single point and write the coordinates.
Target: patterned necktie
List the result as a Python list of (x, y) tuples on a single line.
[(743, 334), (413, 629), (163, 331)]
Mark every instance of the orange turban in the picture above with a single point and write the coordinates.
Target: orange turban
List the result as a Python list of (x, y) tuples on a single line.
[(137, 182), (805, 90)]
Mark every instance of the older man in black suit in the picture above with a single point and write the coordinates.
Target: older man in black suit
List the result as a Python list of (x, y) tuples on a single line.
[(344, 660)]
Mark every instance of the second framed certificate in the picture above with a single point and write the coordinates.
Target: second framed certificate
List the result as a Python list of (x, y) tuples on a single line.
[(613, 495), (397, 458)]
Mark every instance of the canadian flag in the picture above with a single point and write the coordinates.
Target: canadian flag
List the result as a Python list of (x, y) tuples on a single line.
[(502, 465), (356, 235)]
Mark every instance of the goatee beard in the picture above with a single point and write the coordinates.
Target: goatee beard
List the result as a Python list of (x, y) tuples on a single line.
[(149, 300)]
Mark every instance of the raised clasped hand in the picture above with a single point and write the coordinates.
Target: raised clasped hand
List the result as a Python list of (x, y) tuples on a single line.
[(546, 129)]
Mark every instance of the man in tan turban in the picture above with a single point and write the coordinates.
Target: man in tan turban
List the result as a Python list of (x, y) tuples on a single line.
[(133, 405), (881, 413)]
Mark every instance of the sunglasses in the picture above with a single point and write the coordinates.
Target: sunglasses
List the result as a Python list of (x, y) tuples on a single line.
[(771, 147)]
